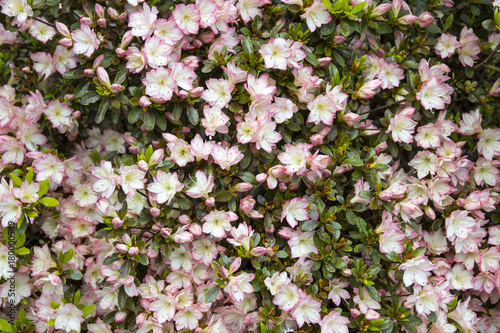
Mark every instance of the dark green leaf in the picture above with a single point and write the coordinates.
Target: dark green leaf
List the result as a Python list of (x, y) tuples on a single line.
[(211, 294), (193, 116)]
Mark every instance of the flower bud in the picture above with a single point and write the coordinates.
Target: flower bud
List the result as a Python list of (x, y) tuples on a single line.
[(270, 230), (120, 316), (133, 150), (165, 232), (66, 42), (207, 37), (324, 61), (317, 139), (184, 219), (122, 17), (286, 232), (380, 10), (126, 39), (133, 251), (258, 251), (425, 20), (116, 88), (156, 157), (155, 212), (77, 114), (191, 61), (117, 222), (339, 39), (195, 229), (381, 147), (97, 62), (63, 30), (430, 213), (103, 77), (143, 165), (129, 139), (185, 130), (282, 187), (367, 90), (144, 129), (183, 237), (261, 177), (196, 92), (122, 248), (86, 21), (88, 72), (113, 14), (144, 102), (210, 202), (197, 43), (141, 319), (247, 204), (121, 53), (243, 187), (99, 10), (355, 313), (408, 19)]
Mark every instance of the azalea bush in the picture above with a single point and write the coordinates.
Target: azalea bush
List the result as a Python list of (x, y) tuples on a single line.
[(250, 166)]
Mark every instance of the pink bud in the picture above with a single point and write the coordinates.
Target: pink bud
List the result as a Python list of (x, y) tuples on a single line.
[(247, 204), (196, 92), (243, 187), (165, 232), (144, 129), (133, 251), (144, 102), (86, 20), (261, 177), (69, 97), (346, 272), (381, 9), (197, 43), (183, 237), (66, 42), (270, 230), (286, 232), (207, 37), (63, 30), (495, 92), (116, 88), (121, 53), (117, 222), (408, 19), (355, 313), (324, 61), (88, 72), (210, 202), (425, 20), (185, 130), (430, 213), (120, 316), (141, 318), (133, 150), (184, 219), (113, 14), (122, 248), (156, 157), (316, 139), (77, 114), (350, 118), (367, 90), (183, 94), (126, 39), (143, 165), (258, 251), (339, 39), (103, 76), (282, 187), (129, 139), (235, 265), (99, 10), (191, 61), (195, 229), (381, 147), (155, 212), (97, 62), (156, 144), (122, 17)]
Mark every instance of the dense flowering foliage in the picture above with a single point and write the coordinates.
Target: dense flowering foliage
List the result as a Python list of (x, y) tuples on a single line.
[(218, 166)]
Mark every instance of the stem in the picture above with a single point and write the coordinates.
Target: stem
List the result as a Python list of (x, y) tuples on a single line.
[(483, 63), (47, 23), (381, 107), (493, 68)]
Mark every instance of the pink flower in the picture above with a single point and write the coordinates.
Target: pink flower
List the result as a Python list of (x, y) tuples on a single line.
[(226, 157), (469, 49), (157, 52), (63, 60), (416, 270), (42, 31), (187, 18), (275, 53), (459, 224), (84, 41), (390, 75), (368, 89), (131, 179), (446, 46), (19, 9), (143, 21), (424, 162), (250, 8), (165, 186), (217, 223), (295, 158), (301, 244), (203, 186), (218, 92), (322, 110), (215, 120), (239, 286), (43, 64), (295, 210), (316, 15), (307, 311), (434, 94), (261, 88), (334, 323), (489, 143), (160, 84)]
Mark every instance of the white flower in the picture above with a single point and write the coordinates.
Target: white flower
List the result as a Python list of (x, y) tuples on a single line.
[(288, 296), (489, 143), (18, 9), (461, 278), (216, 223), (68, 318), (218, 92), (416, 270), (275, 53), (164, 308), (459, 224), (181, 257), (295, 210), (84, 195), (276, 281), (316, 15), (307, 311), (84, 40), (334, 323), (424, 162), (143, 21), (203, 186), (165, 186), (188, 318), (301, 244)]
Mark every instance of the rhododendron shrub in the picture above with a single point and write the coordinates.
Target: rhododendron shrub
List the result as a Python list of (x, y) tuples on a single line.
[(250, 166)]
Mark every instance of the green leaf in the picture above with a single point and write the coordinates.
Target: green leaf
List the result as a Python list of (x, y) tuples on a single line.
[(5, 326), (149, 120), (48, 201), (224, 196), (111, 259), (23, 251), (433, 29), (309, 225), (67, 256), (328, 5), (281, 254), (135, 114), (103, 108), (54, 305), (73, 74), (311, 58), (96, 157), (248, 177), (77, 297), (247, 45), (211, 294), (122, 298), (183, 203), (193, 116), (88, 310), (448, 22), (51, 322), (74, 274), (143, 259), (29, 176), (160, 119), (16, 180), (121, 77), (90, 97), (359, 7), (44, 187), (126, 267), (81, 89)]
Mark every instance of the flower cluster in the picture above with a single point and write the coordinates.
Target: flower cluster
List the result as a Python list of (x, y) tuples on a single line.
[(250, 166)]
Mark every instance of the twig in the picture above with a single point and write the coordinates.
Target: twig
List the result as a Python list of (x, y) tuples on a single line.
[(493, 68), (381, 107), (47, 23), (483, 63)]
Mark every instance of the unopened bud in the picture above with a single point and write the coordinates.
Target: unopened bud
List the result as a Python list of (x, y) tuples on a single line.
[(133, 251), (195, 229), (117, 222), (122, 248), (101, 22), (116, 88), (261, 177), (63, 30), (324, 61), (243, 187), (86, 21), (113, 14), (317, 139), (155, 212), (88, 72), (120, 316), (210, 202), (99, 10), (144, 102), (66, 42), (184, 219)]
